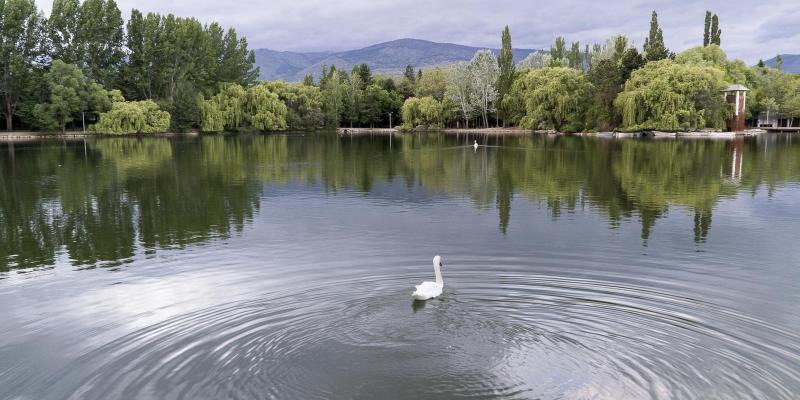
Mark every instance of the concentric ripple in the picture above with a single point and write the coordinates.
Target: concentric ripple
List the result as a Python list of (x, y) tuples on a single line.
[(510, 335)]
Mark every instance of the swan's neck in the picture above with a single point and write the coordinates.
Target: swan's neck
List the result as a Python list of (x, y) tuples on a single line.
[(439, 280)]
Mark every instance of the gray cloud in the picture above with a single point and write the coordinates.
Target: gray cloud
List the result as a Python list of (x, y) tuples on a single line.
[(750, 30)]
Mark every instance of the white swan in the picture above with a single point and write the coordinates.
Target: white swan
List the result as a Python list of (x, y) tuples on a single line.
[(429, 290), (475, 146)]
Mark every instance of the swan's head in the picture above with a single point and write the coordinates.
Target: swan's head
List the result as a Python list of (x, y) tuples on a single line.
[(437, 262)]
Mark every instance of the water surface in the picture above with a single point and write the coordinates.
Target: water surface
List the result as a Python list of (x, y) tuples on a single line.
[(245, 267)]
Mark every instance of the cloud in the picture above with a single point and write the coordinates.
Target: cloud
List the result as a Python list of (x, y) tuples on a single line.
[(750, 31)]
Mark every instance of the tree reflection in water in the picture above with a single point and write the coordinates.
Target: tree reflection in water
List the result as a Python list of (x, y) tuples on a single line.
[(100, 201)]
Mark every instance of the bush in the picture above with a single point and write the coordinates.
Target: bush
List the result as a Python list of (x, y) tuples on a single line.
[(127, 117)]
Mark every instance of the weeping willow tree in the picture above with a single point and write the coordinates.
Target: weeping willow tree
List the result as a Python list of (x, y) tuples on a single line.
[(422, 112), (234, 108), (665, 95), (264, 109), (224, 110), (127, 117), (555, 98)]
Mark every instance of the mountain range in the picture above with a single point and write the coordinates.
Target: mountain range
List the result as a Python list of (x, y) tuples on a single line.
[(389, 58), (791, 63)]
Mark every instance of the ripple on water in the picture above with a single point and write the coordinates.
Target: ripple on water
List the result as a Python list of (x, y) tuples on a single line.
[(529, 336)]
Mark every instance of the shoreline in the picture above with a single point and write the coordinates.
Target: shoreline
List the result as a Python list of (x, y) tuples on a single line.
[(526, 132), (24, 136)]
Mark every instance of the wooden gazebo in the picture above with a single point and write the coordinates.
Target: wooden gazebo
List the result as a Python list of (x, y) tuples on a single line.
[(736, 95)]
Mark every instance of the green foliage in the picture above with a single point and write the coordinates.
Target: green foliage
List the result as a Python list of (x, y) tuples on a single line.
[(716, 32), (303, 103), (574, 57), (332, 96), (665, 95), (234, 108), (654, 48), (129, 117), (459, 89), (606, 78), (535, 60), (712, 35), (424, 113), (62, 31), (484, 72), (558, 53), (70, 93), (433, 83), (631, 61), (408, 83), (223, 111), (555, 98), (506, 64), (165, 52), (20, 48), (99, 40), (264, 110)]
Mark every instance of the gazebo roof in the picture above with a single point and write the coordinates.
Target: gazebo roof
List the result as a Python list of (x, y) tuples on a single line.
[(736, 88)]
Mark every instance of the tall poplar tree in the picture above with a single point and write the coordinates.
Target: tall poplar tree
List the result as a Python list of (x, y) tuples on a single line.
[(506, 64), (101, 39), (654, 48), (21, 34), (707, 30), (716, 33), (62, 31)]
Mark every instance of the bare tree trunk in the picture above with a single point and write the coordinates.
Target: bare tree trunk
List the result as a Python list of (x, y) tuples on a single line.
[(9, 115)]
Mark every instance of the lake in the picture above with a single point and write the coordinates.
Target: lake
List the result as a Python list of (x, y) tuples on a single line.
[(261, 267)]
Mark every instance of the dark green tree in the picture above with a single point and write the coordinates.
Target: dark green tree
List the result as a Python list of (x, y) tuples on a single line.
[(574, 58), (70, 94), (506, 63), (237, 63), (100, 39), (21, 48), (364, 73), (631, 61), (716, 32), (409, 73), (606, 78), (62, 31), (707, 30), (558, 52), (654, 48)]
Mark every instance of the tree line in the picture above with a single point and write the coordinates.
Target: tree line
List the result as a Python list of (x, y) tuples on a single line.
[(83, 65), (83, 61), (606, 86)]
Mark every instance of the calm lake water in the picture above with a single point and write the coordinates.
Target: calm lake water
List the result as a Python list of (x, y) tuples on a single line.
[(261, 267)]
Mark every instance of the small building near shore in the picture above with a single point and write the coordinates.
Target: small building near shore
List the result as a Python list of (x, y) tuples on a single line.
[(736, 95), (774, 119)]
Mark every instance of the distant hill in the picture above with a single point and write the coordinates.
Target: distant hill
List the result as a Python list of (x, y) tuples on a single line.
[(387, 58), (791, 63)]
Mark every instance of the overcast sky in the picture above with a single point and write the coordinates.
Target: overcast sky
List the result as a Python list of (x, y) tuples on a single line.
[(751, 29)]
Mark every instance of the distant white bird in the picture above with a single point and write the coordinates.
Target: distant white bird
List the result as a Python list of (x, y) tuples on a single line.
[(429, 290), (475, 146)]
